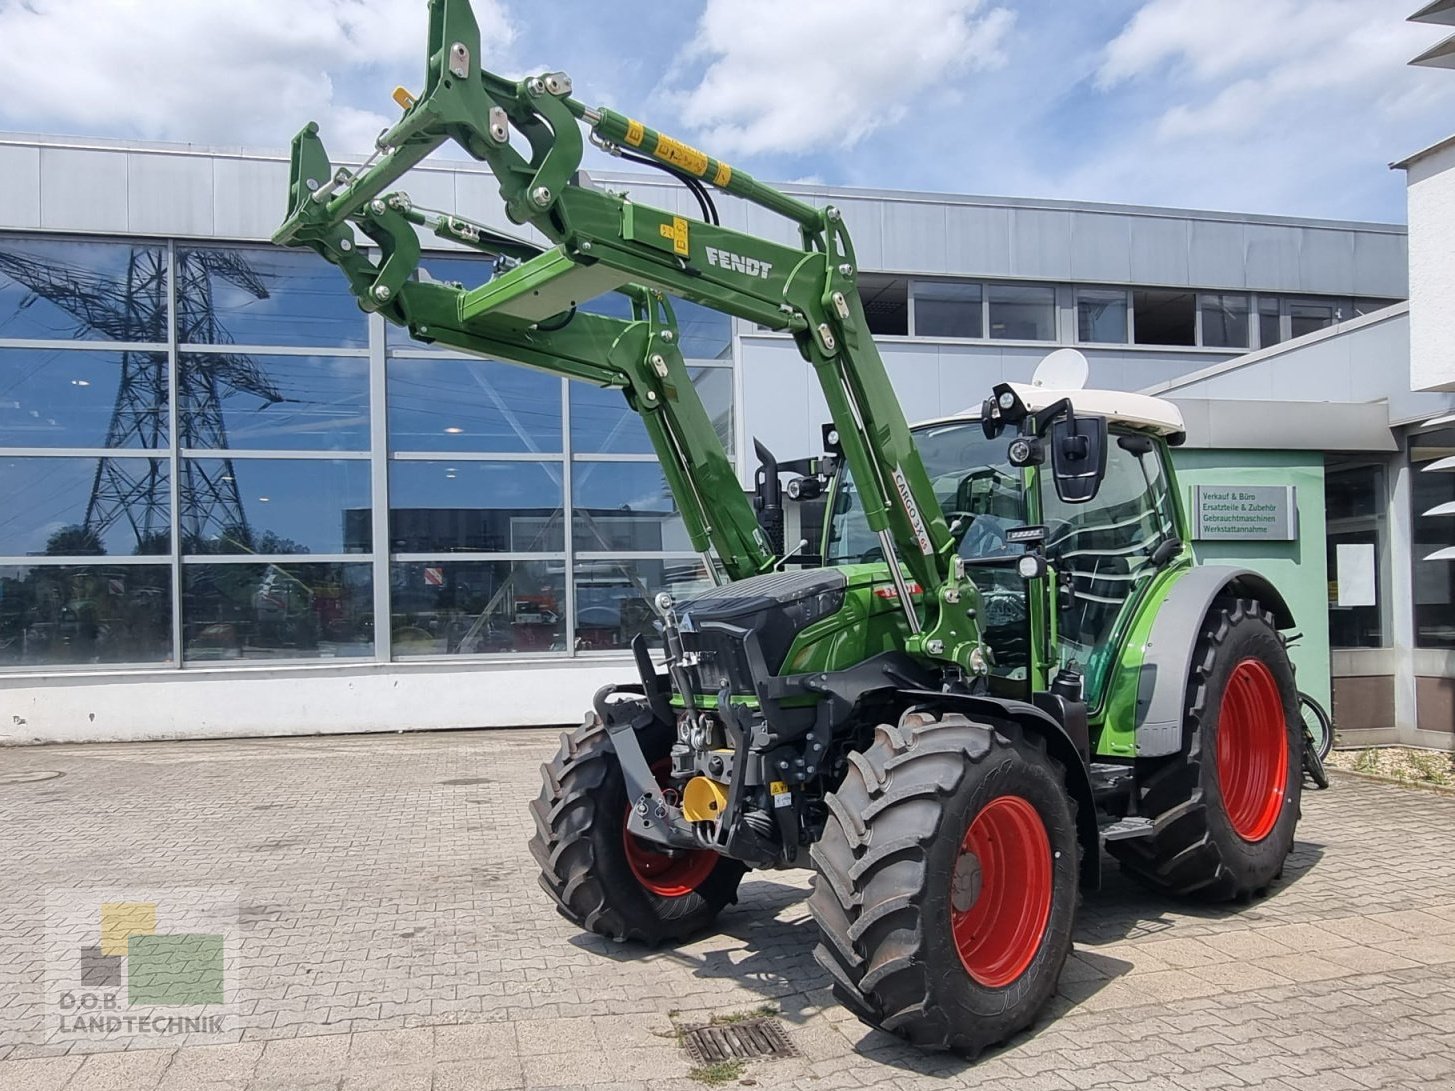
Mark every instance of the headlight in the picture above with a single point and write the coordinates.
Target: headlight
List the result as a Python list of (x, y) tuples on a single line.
[(1031, 566)]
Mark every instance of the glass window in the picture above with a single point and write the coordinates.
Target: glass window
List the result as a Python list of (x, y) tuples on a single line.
[(453, 404), (250, 296), (614, 598), (1432, 499), (284, 403), (52, 615), (1101, 316), (603, 423), (946, 309), (1224, 320), (886, 304), (277, 611), (625, 507), (75, 398), (1354, 507), (1022, 312), (83, 291), (477, 607), (1270, 326), (66, 507), (1369, 306), (275, 505), (706, 334), (475, 507), (1306, 316), (1164, 317)]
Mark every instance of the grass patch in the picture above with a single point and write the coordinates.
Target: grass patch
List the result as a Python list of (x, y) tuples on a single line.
[(718, 1072), (762, 1011), (1406, 763)]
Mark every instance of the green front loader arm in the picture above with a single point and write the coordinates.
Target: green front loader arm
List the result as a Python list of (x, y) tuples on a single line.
[(606, 242)]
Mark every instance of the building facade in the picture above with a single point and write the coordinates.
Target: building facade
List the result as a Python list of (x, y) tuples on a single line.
[(235, 504)]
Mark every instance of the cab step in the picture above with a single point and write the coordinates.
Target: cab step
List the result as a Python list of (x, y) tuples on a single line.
[(1124, 829)]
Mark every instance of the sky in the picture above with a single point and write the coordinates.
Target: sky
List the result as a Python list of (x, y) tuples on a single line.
[(1284, 107)]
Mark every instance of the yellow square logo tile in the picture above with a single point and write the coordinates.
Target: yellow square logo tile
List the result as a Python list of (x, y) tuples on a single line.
[(122, 920)]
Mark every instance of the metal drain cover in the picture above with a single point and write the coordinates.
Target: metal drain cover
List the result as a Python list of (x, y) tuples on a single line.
[(30, 776), (747, 1040)]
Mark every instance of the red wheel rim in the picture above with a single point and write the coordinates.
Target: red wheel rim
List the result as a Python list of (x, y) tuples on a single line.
[(673, 874), (1252, 750), (1000, 893)]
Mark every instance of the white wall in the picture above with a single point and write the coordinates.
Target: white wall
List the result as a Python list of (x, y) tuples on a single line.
[(1432, 270), (241, 701)]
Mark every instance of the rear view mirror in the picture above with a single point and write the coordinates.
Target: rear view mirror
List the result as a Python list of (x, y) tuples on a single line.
[(1078, 457)]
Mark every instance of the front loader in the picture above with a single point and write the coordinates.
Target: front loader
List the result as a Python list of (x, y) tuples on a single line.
[(1005, 657)]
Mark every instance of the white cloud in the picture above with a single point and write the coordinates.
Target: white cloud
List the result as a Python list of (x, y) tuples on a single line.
[(240, 72), (794, 77)]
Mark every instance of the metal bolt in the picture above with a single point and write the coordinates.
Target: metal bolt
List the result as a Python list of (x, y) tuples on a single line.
[(459, 60), (585, 246), (558, 83), (833, 214), (809, 770), (841, 305), (535, 86), (826, 337), (312, 184), (382, 292), (783, 765), (499, 129), (345, 245), (846, 270), (377, 205), (668, 336), (651, 395), (935, 647), (817, 747), (659, 365), (541, 196)]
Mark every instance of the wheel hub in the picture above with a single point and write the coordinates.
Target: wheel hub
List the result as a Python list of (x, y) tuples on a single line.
[(1000, 891), (668, 873), (1252, 757)]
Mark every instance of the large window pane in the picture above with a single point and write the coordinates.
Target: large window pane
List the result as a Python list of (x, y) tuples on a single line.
[(1101, 316), (247, 296), (451, 404), (943, 309), (1432, 500), (1224, 320), (1354, 504), (285, 403), (76, 398), (477, 607), (1307, 316), (706, 333), (1163, 317), (475, 507), (614, 598), (83, 291), (63, 614), (1270, 326), (83, 507), (886, 304), (602, 422), (1022, 312), (275, 505), (277, 611), (625, 507)]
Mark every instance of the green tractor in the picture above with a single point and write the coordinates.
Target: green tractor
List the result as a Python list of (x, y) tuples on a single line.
[(1003, 658)]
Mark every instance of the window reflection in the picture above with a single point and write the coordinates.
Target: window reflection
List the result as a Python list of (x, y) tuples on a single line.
[(614, 598), (452, 404), (284, 403), (57, 397), (277, 611), (51, 615), (83, 291), (249, 296), (473, 506), (1432, 503), (947, 309), (603, 423), (1101, 316), (477, 607), (276, 505), (625, 507), (1022, 312), (68, 506), (464, 270)]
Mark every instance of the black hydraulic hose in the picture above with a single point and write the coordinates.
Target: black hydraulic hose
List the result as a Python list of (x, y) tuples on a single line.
[(698, 190)]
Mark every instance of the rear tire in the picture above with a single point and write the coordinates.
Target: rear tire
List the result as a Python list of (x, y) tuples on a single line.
[(947, 878), (1224, 810), (599, 876)]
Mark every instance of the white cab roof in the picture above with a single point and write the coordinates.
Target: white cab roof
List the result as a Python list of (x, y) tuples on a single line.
[(1117, 406)]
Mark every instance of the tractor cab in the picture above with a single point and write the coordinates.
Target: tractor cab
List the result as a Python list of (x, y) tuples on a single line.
[(1100, 553)]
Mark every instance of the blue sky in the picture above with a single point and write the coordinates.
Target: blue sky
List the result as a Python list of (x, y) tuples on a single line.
[(1289, 107)]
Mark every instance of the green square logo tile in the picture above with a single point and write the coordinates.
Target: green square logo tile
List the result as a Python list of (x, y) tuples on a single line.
[(174, 970)]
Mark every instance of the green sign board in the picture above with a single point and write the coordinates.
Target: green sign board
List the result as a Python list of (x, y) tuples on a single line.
[(1267, 513)]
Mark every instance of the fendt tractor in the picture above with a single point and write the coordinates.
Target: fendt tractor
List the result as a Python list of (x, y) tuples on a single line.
[(1003, 658)]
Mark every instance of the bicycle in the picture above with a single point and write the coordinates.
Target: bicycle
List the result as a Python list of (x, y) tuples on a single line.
[(1318, 738)]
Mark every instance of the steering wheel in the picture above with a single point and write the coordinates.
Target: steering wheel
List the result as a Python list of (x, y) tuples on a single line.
[(980, 537)]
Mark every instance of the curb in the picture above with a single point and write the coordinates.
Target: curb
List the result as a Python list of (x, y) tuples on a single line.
[(1380, 778)]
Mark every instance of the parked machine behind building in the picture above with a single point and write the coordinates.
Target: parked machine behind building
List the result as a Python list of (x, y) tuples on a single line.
[(1006, 658)]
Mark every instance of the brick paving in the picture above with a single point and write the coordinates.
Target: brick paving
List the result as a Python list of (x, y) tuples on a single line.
[(389, 933)]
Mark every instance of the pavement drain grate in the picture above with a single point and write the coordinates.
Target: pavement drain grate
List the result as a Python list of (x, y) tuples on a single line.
[(751, 1039), (30, 776)]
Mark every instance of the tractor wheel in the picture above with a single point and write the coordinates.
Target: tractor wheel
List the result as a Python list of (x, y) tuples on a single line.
[(947, 882), (600, 876), (1224, 809)]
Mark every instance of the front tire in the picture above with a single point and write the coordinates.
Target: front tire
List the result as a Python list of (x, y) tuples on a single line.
[(947, 882), (603, 878), (1224, 810)]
